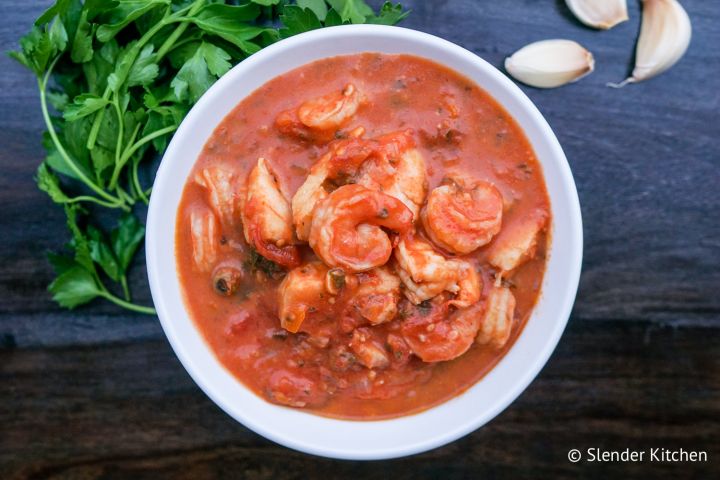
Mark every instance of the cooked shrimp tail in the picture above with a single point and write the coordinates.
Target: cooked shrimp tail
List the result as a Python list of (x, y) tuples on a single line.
[(287, 256), (301, 291)]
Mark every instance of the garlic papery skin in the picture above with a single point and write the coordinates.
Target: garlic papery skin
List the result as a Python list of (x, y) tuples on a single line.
[(664, 37), (602, 14), (550, 63)]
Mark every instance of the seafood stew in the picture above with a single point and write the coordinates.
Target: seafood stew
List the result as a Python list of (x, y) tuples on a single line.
[(363, 237)]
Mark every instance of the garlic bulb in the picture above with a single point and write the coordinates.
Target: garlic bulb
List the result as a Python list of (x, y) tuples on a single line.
[(603, 14), (550, 63), (664, 37)]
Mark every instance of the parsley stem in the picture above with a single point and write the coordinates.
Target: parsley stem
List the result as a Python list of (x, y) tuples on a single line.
[(95, 129), (118, 144), (123, 158), (155, 29), (126, 290), (90, 198), (136, 182), (147, 138), (130, 151), (170, 41), (131, 182), (124, 195), (42, 85), (125, 304), (182, 42)]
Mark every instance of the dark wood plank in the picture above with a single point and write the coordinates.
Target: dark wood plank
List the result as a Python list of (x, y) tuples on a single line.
[(98, 393), (130, 411)]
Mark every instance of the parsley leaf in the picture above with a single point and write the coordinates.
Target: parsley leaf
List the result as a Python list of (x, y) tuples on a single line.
[(199, 73), (96, 7), (126, 239), (144, 70), (82, 106), (49, 183), (124, 13), (58, 100), (298, 20), (75, 286), (101, 254), (36, 50), (79, 242), (216, 59), (60, 263), (318, 7), (389, 14), (332, 19), (82, 45), (355, 11), (56, 9), (58, 35), (230, 23), (193, 79)]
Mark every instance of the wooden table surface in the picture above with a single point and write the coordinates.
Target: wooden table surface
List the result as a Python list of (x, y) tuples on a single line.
[(98, 393)]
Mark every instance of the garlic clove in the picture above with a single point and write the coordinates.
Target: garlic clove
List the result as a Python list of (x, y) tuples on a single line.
[(664, 37), (550, 63), (603, 14)]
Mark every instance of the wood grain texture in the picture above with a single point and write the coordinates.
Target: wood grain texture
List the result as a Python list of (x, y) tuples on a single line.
[(98, 393)]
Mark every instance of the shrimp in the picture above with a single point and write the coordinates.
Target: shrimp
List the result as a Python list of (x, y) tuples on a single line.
[(377, 295), (497, 322), (347, 227), (462, 216), (205, 236), (398, 169), (426, 274), (389, 164), (319, 118), (368, 349), (302, 290), (342, 160), (266, 216), (469, 285), (435, 335), (331, 111), (517, 242), (223, 191)]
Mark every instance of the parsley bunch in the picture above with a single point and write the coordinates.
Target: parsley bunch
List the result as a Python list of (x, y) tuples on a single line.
[(116, 78)]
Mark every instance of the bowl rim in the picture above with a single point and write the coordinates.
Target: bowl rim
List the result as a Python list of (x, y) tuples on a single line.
[(155, 274)]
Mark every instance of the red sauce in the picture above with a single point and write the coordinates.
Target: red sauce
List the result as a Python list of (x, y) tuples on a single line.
[(458, 128)]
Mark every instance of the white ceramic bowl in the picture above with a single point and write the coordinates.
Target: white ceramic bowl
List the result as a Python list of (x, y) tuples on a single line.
[(370, 439)]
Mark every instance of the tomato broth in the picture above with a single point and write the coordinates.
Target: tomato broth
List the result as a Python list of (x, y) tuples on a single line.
[(458, 129)]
